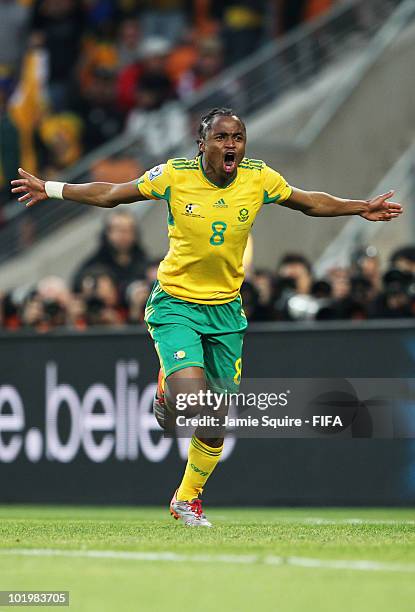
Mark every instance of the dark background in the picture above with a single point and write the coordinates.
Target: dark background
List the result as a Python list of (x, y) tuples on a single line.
[(258, 472)]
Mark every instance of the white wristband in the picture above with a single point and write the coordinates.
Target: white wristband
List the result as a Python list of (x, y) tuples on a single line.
[(54, 189)]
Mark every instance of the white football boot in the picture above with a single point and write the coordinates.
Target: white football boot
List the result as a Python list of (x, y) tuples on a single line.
[(190, 512)]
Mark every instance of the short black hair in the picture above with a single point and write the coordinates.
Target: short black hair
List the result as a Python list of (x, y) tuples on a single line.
[(207, 120), (295, 258), (406, 252)]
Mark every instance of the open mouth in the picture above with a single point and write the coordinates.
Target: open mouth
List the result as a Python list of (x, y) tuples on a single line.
[(229, 162)]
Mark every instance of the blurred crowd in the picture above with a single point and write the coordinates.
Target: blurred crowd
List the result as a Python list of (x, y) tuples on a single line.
[(76, 73), (111, 287)]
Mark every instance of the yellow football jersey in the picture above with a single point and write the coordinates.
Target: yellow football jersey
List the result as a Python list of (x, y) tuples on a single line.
[(208, 226)]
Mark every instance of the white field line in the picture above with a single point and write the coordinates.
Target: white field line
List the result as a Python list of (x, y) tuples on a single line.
[(315, 520), (352, 521), (304, 562)]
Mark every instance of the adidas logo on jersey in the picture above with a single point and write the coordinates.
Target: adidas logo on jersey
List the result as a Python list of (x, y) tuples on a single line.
[(220, 204)]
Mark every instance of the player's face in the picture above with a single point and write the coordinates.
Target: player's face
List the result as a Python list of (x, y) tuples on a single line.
[(224, 146)]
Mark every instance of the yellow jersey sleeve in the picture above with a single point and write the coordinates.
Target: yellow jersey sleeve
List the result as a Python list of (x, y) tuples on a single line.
[(155, 184), (276, 188)]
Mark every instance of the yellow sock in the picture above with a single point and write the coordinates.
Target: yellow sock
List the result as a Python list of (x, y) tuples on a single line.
[(201, 462)]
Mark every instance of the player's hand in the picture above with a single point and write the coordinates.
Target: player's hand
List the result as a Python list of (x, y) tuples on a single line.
[(379, 209), (32, 188)]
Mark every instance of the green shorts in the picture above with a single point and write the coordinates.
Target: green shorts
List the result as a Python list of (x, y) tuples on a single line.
[(187, 334)]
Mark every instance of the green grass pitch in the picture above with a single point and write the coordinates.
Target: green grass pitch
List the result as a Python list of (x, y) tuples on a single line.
[(288, 560)]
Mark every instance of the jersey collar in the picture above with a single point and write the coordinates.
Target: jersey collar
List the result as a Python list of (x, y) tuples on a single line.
[(210, 182)]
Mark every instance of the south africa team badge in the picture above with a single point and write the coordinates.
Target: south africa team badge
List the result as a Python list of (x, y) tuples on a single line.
[(243, 215)]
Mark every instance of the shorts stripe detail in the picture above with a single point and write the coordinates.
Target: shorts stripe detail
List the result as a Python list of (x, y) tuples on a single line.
[(160, 359), (155, 292), (148, 312), (150, 329)]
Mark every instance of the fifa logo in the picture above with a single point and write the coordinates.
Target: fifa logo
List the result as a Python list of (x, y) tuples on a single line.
[(193, 210)]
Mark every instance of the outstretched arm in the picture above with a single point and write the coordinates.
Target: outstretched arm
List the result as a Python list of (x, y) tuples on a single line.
[(105, 195), (319, 204)]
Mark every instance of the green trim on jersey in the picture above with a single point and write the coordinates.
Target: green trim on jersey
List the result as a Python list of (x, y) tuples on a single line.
[(165, 196), (211, 182), (181, 163), (251, 164), (208, 226), (268, 200)]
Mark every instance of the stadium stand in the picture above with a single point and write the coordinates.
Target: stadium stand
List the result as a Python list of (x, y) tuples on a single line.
[(92, 64), (129, 75), (106, 94)]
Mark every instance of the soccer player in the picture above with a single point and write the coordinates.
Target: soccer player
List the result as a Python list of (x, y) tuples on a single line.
[(194, 312)]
